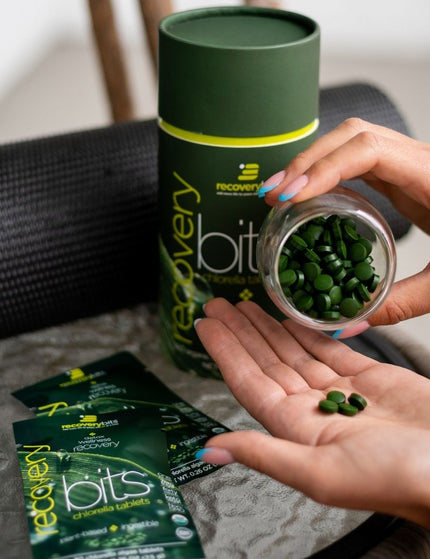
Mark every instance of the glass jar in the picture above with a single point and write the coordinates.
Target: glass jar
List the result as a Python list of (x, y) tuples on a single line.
[(283, 228)]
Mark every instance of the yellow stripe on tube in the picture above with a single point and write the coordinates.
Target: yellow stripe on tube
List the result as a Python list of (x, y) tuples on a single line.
[(231, 142)]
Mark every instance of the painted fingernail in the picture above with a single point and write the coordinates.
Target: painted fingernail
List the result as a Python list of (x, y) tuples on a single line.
[(271, 183), (214, 455), (354, 330), (197, 320), (293, 188), (336, 335)]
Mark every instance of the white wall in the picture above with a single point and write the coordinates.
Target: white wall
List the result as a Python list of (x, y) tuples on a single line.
[(29, 28), (369, 28)]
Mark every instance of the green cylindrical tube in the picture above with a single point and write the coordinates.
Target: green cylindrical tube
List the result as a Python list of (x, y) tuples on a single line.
[(238, 99)]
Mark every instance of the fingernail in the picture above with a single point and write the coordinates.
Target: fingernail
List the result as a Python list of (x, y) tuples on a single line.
[(214, 455), (337, 334), (293, 188), (271, 183), (197, 320), (354, 330)]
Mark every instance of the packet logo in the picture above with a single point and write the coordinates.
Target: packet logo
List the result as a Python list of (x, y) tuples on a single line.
[(88, 419), (249, 171), (76, 374)]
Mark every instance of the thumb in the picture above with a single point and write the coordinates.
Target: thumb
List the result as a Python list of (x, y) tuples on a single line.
[(285, 461), (408, 298)]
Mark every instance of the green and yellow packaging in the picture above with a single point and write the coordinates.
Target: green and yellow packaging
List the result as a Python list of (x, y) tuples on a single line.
[(121, 382), (99, 487), (238, 99)]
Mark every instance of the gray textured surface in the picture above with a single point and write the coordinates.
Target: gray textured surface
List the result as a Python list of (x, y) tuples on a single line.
[(239, 513)]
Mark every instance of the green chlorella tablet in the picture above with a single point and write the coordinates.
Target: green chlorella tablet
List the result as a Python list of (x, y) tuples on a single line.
[(339, 275), (330, 257), (330, 315), (287, 252), (324, 249), (328, 406), (341, 249), (308, 238), (351, 284), (374, 283), (316, 230), (334, 266), (336, 396), (363, 271), (300, 281), (336, 229), (357, 400), (297, 295), (298, 243), (323, 282), (363, 292), (304, 302), (311, 270), (323, 302), (311, 255), (349, 232), (283, 263), (347, 409), (335, 294), (366, 243), (287, 277), (349, 307), (357, 251)]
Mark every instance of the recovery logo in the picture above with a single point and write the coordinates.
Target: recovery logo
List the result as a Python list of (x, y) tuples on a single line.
[(246, 183), (76, 374), (88, 419), (249, 171)]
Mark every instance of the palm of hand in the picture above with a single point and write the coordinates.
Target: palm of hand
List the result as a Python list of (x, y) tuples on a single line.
[(279, 372), (395, 396)]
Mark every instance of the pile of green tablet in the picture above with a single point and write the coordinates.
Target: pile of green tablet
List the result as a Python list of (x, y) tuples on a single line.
[(335, 401), (326, 270)]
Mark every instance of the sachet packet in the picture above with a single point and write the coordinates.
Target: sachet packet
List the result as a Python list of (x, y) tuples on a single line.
[(120, 382), (99, 487)]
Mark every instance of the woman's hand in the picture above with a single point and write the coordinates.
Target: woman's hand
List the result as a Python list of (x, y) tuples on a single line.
[(390, 162), (377, 460)]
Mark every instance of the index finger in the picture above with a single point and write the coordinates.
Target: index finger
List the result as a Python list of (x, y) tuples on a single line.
[(383, 159), (253, 343), (254, 390), (333, 140)]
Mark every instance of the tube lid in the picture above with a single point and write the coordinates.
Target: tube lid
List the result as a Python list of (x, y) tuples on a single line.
[(238, 71)]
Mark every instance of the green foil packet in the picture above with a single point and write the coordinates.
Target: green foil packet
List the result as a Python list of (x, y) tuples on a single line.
[(121, 382), (99, 487)]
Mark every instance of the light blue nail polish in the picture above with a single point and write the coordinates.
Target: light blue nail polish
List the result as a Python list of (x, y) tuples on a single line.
[(264, 189), (337, 333), (201, 453), (285, 197)]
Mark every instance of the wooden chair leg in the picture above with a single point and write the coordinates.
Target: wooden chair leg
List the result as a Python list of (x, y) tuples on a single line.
[(264, 3), (152, 12), (111, 59)]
